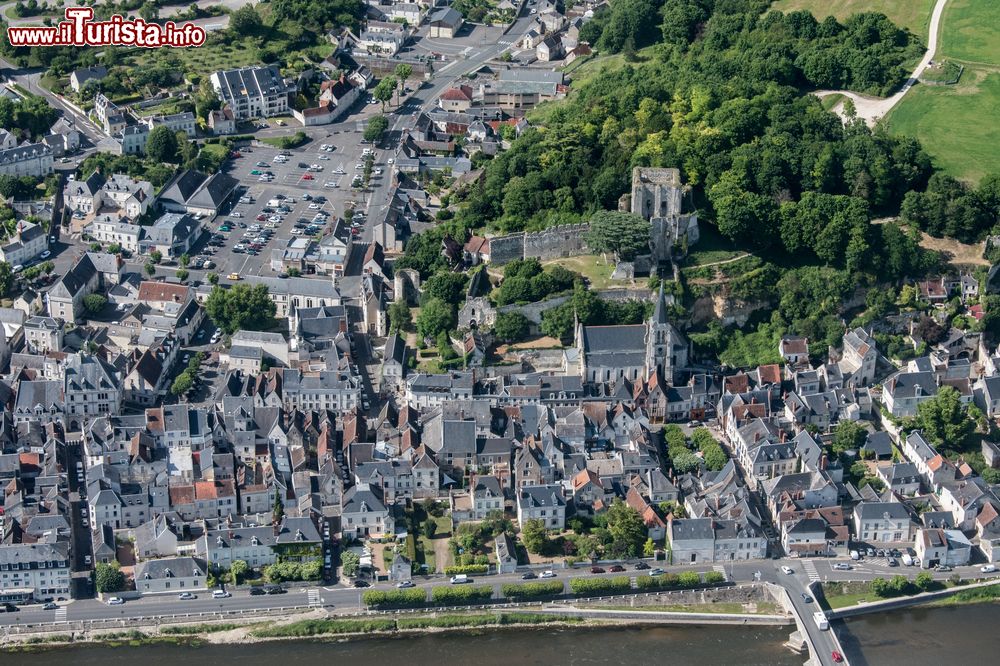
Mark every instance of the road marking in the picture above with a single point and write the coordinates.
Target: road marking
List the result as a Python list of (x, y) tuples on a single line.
[(718, 568), (60, 615), (313, 597), (810, 568)]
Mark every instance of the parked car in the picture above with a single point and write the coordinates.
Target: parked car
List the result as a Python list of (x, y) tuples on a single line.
[(617, 569), (891, 561), (186, 596), (220, 594), (597, 570), (837, 657), (275, 589), (641, 566), (460, 579), (361, 583), (942, 568), (988, 568), (548, 573), (530, 575), (115, 601), (50, 606), (405, 584), (257, 591)]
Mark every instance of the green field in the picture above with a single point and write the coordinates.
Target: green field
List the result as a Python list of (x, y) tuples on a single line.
[(970, 32), (955, 123), (914, 15)]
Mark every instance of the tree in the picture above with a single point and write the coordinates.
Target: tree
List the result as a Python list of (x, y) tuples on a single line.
[(944, 420), (109, 577), (182, 384), (349, 563), (156, 256), (685, 462), (924, 581), (94, 303), (715, 458), (446, 286), (535, 539), (400, 317), (376, 127), (384, 90), (278, 510), (430, 528), (403, 72), (213, 278), (150, 268), (628, 531), (238, 570), (6, 278), (848, 436), (435, 317), (511, 326), (245, 20), (624, 234), (241, 307), (184, 259), (648, 548), (161, 146), (183, 274)]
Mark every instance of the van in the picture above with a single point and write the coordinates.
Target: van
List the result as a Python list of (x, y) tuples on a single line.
[(855, 555), (274, 202), (220, 594), (821, 622), (907, 560), (459, 579)]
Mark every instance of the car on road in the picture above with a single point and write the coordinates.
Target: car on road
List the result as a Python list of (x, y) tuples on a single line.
[(8, 608), (806, 598), (221, 594), (530, 575), (842, 566), (405, 584), (597, 570), (656, 572), (50, 606), (617, 569), (942, 568), (115, 601), (787, 570), (390, 161), (361, 583), (46, 254), (257, 591), (275, 589), (837, 657), (988, 568), (186, 596), (641, 566), (87, 560), (460, 579)]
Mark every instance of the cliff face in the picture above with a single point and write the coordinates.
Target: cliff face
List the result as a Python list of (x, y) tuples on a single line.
[(727, 310)]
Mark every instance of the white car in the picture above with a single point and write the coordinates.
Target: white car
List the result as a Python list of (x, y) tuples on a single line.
[(220, 594), (548, 574), (329, 149), (787, 570), (315, 167), (390, 161), (377, 172), (313, 206), (186, 596), (359, 166), (405, 584), (329, 183), (339, 170), (237, 214), (324, 157), (115, 601), (988, 568), (46, 254)]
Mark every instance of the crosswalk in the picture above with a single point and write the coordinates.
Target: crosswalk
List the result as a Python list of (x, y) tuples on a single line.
[(60, 614), (718, 568), (810, 568), (507, 42), (313, 597)]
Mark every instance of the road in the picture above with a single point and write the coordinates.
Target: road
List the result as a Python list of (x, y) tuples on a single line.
[(872, 109)]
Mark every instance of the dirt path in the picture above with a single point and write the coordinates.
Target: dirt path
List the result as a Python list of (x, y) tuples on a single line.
[(442, 553), (873, 109), (958, 254)]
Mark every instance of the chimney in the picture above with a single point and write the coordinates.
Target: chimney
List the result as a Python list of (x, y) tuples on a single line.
[(822, 462)]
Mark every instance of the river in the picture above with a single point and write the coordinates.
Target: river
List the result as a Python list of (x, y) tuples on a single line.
[(755, 646), (924, 636)]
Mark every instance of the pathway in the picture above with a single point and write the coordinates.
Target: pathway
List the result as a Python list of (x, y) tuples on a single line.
[(873, 109)]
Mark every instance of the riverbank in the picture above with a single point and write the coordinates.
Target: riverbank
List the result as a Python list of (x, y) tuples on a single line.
[(319, 624), (843, 600)]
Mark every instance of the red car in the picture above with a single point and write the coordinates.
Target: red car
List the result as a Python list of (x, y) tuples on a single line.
[(307, 176), (837, 657), (262, 218), (596, 570), (617, 568)]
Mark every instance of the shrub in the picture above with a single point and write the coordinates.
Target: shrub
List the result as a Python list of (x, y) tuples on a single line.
[(667, 581), (466, 569), (318, 627), (689, 579), (548, 588), (465, 594), (714, 578), (412, 598), (597, 586)]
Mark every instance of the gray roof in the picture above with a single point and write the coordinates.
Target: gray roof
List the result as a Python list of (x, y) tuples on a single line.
[(550, 496), (615, 346), (692, 528), (876, 510), (169, 567), (904, 384), (35, 556)]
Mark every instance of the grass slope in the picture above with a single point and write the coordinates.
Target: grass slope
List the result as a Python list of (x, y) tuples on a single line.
[(913, 15), (955, 123)]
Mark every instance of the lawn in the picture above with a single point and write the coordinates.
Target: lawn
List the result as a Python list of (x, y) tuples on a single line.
[(590, 266), (913, 15), (729, 607), (712, 247), (954, 123), (970, 31), (842, 595)]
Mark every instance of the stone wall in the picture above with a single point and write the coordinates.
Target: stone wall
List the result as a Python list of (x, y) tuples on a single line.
[(551, 243)]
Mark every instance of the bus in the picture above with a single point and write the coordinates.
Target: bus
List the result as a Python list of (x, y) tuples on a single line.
[(820, 619)]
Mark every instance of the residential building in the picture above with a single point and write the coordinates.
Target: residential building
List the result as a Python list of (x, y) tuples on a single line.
[(24, 246), (171, 235), (882, 523), (170, 575), (543, 502), (253, 92), (34, 571), (32, 160)]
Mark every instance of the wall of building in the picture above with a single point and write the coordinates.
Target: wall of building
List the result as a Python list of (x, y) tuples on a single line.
[(552, 243)]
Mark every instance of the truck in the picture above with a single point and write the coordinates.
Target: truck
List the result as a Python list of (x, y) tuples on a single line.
[(907, 560), (820, 619)]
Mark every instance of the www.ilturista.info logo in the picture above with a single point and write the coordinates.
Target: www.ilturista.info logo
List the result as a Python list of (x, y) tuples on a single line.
[(79, 29)]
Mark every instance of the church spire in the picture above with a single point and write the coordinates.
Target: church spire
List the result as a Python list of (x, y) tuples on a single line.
[(660, 311)]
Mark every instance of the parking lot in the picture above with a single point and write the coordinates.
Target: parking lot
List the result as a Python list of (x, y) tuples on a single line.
[(278, 203)]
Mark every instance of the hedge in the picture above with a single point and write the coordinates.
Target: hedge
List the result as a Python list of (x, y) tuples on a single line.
[(413, 598), (689, 579), (467, 569), (714, 578), (464, 594), (667, 581), (318, 627), (548, 588), (592, 586)]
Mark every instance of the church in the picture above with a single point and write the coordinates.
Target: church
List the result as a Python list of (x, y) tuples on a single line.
[(612, 353)]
